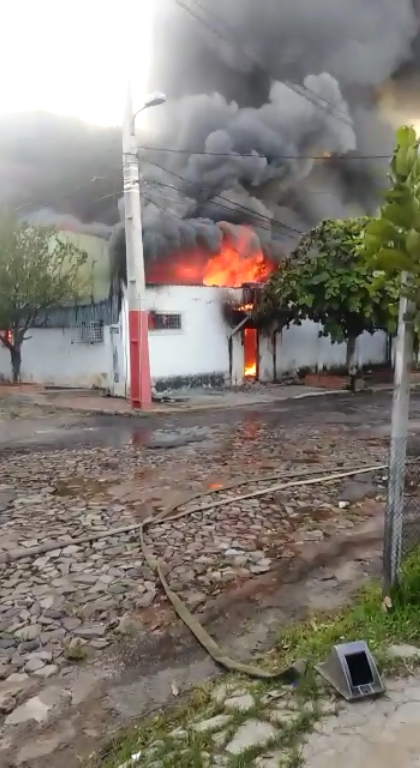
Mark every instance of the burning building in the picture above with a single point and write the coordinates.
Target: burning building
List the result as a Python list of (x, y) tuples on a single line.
[(278, 115)]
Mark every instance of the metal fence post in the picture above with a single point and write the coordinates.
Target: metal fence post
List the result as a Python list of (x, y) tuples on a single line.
[(398, 445)]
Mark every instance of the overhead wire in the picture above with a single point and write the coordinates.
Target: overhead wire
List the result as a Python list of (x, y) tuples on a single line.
[(61, 196), (238, 206), (177, 216), (302, 91), (324, 157), (261, 221), (187, 151)]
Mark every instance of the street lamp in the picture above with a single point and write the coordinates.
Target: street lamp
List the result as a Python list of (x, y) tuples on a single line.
[(152, 100), (138, 332)]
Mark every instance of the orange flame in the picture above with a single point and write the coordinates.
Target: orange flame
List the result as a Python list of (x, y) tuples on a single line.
[(238, 261), (250, 353)]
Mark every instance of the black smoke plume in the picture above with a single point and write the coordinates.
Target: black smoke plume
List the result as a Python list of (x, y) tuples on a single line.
[(256, 93)]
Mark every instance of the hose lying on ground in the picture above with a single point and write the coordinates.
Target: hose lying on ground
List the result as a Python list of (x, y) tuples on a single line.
[(288, 675), (166, 515)]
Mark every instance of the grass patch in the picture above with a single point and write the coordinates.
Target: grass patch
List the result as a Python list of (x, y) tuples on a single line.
[(365, 619), (312, 640)]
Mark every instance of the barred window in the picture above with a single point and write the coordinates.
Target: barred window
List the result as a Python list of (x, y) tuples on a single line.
[(89, 333), (165, 321)]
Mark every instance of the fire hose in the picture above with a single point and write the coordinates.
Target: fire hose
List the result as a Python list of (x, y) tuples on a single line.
[(169, 515)]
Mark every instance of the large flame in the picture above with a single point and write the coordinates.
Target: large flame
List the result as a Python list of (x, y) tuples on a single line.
[(238, 261)]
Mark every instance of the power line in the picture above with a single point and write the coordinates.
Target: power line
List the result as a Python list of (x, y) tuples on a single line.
[(235, 208), (238, 206), (235, 154), (176, 216), (94, 179), (60, 197), (302, 91)]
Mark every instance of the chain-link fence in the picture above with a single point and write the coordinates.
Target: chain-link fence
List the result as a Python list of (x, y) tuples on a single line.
[(402, 515)]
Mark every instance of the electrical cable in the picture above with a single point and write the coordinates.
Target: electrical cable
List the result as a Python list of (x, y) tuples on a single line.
[(259, 220), (302, 91), (62, 196), (292, 86), (234, 154), (238, 206), (177, 216)]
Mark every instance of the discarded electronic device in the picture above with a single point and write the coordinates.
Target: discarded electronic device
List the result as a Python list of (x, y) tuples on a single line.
[(351, 669)]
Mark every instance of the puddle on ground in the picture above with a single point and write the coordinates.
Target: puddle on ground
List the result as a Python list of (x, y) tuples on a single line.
[(160, 438), (80, 486)]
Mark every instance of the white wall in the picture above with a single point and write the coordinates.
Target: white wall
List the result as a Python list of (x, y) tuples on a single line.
[(301, 347), (266, 357), (201, 347), (237, 359), (49, 357)]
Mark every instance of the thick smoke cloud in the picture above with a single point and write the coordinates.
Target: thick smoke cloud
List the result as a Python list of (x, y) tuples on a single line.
[(239, 137), (234, 144)]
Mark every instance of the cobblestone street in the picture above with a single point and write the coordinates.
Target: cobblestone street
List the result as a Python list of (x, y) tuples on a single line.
[(63, 479)]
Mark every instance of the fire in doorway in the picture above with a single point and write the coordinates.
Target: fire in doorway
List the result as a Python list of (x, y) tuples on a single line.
[(250, 353)]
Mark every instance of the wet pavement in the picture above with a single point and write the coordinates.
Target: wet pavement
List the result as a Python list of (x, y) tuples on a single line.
[(58, 430)]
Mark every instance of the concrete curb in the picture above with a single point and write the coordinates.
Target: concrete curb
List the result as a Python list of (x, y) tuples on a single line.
[(186, 408), (171, 410)]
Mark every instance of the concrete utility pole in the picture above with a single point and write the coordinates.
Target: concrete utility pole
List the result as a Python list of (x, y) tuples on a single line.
[(140, 385), (398, 448)]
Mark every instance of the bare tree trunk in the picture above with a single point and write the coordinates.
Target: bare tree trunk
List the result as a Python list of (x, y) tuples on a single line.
[(16, 359), (351, 361)]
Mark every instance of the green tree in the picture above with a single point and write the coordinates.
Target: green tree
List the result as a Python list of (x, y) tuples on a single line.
[(38, 271), (392, 240), (328, 279)]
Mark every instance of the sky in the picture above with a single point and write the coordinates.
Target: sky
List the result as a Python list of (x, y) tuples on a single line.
[(73, 56)]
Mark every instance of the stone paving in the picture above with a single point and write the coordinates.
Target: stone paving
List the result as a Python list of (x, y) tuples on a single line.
[(380, 734), (247, 727), (72, 601), (241, 722), (69, 604)]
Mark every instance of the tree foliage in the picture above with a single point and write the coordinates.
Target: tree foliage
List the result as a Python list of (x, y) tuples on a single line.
[(392, 240), (327, 279), (38, 272)]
